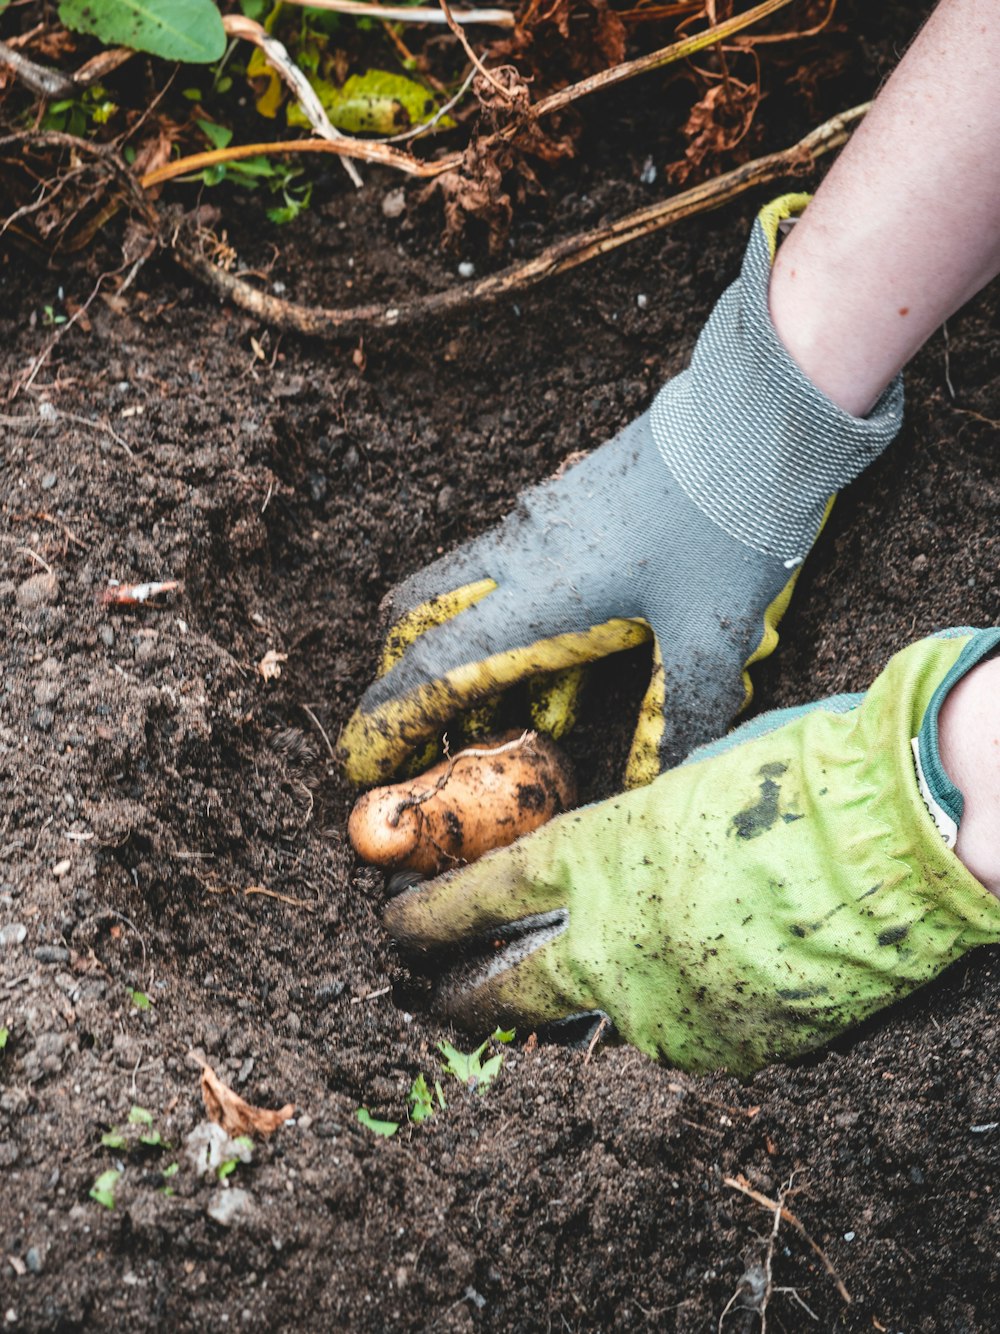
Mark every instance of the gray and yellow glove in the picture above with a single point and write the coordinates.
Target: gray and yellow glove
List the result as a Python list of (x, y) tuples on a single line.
[(689, 527), (778, 888)]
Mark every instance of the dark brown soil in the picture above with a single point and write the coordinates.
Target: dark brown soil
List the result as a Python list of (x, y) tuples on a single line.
[(149, 777)]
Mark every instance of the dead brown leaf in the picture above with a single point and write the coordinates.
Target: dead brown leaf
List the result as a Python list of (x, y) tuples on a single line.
[(156, 148), (269, 666), (716, 125), (236, 1117)]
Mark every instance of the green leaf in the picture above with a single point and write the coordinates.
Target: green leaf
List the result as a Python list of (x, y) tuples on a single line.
[(138, 1116), (4, 1035), (219, 136), (139, 999), (385, 1128), (293, 206), (469, 1068), (244, 1142), (152, 1139), (421, 1100), (188, 30), (227, 1168), (253, 167), (375, 102), (114, 1139), (103, 1189), (503, 1035), (171, 1171)]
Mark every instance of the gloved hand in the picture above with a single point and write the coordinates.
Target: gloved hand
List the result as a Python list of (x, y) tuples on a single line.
[(688, 527), (779, 887)]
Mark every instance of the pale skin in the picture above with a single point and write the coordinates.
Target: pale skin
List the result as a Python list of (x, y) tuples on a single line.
[(902, 232)]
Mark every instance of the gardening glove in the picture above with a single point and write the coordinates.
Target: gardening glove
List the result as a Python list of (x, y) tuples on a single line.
[(778, 888), (688, 528)]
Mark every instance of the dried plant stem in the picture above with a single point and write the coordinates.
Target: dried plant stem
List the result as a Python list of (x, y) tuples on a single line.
[(49, 83), (667, 55), (456, 28), (495, 18), (276, 55), (566, 254), (385, 155), (778, 1208), (364, 151)]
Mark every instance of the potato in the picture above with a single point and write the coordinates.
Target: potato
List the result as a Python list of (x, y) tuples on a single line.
[(482, 798)]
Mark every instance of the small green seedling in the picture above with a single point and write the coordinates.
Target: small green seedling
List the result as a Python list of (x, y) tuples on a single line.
[(140, 1130), (103, 1189), (469, 1068), (385, 1128), (138, 998), (227, 1168), (167, 1174), (422, 1100), (138, 1116), (4, 1035)]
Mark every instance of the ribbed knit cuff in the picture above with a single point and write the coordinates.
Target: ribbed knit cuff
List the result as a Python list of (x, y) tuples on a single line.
[(754, 444)]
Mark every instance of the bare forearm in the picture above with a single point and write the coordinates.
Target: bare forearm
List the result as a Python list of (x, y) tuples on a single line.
[(906, 227)]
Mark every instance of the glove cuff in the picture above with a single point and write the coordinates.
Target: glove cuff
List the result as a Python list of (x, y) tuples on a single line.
[(750, 439)]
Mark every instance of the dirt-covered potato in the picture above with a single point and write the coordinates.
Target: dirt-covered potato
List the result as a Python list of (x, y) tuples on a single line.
[(480, 799)]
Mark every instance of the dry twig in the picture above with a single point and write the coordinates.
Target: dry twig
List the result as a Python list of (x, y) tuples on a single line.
[(321, 322), (50, 83), (496, 18), (456, 28), (387, 156), (741, 1184), (276, 55)]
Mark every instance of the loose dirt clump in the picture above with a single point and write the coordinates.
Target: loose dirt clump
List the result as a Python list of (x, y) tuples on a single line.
[(174, 874)]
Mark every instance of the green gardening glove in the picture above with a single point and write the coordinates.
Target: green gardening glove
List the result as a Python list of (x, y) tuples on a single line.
[(688, 529), (778, 888)]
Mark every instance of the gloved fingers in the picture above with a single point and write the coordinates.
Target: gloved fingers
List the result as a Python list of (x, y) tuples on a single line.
[(694, 692), (554, 701), (526, 985), (509, 636), (478, 903)]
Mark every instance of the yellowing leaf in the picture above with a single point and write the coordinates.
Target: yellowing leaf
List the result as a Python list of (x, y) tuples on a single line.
[(376, 102), (268, 101)]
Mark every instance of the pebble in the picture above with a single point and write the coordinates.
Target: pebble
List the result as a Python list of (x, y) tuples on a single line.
[(106, 635), (43, 719), (52, 954), (329, 991), (39, 590), (47, 692), (466, 269), (394, 203), (225, 1206), (14, 933), (642, 301), (445, 499), (33, 1260), (49, 481)]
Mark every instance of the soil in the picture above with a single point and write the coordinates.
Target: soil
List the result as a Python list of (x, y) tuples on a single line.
[(152, 780)]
